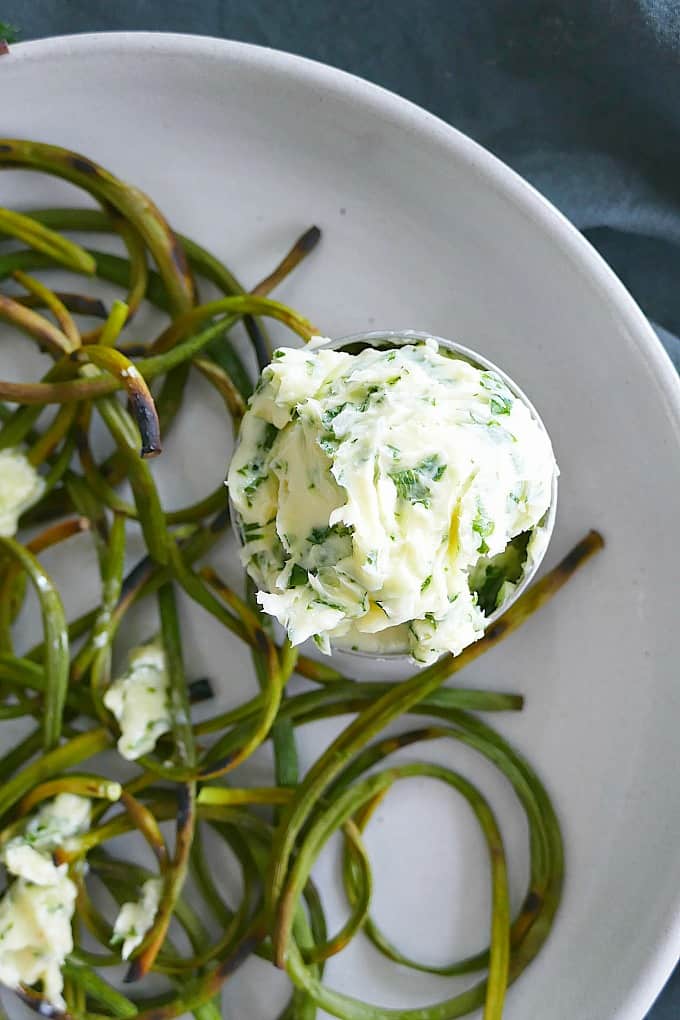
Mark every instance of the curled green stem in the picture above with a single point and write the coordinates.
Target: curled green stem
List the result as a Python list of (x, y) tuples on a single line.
[(56, 661)]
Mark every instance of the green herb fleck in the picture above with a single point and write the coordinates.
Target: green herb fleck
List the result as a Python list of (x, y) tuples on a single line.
[(426, 584), (268, 437), (318, 536), (500, 404), (432, 467), (248, 529), (298, 576), (372, 390), (328, 443), (329, 604), (410, 487), (411, 483), (331, 414), (484, 527), (501, 399)]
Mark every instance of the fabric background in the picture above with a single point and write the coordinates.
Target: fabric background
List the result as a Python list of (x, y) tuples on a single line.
[(581, 97)]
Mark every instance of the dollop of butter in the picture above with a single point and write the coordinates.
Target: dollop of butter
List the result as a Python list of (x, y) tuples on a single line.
[(136, 918), (368, 487), (140, 701), (35, 934), (65, 815), (20, 488), (37, 909)]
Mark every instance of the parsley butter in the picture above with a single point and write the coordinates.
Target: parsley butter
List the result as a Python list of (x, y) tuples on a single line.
[(35, 934), (136, 918), (20, 488), (387, 500), (139, 700), (36, 911)]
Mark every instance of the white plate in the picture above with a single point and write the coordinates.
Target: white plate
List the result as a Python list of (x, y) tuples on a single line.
[(243, 148)]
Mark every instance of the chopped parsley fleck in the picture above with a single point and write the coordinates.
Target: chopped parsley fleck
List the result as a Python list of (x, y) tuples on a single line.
[(331, 605), (501, 399), (328, 443), (484, 527), (501, 405), (269, 435), (298, 576), (318, 536), (251, 488), (412, 483), (491, 381), (433, 467), (410, 486), (371, 392), (426, 584), (322, 642), (252, 472), (329, 416)]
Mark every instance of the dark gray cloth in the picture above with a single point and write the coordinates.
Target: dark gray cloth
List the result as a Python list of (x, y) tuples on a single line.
[(582, 97)]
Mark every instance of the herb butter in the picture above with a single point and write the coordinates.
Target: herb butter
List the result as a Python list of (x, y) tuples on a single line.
[(369, 487), (140, 701), (37, 909), (136, 918), (20, 488), (35, 934)]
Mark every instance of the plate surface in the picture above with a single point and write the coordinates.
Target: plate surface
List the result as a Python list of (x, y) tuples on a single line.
[(243, 148)]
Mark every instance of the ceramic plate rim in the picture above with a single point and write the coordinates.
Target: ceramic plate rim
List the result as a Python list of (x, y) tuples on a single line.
[(663, 953)]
